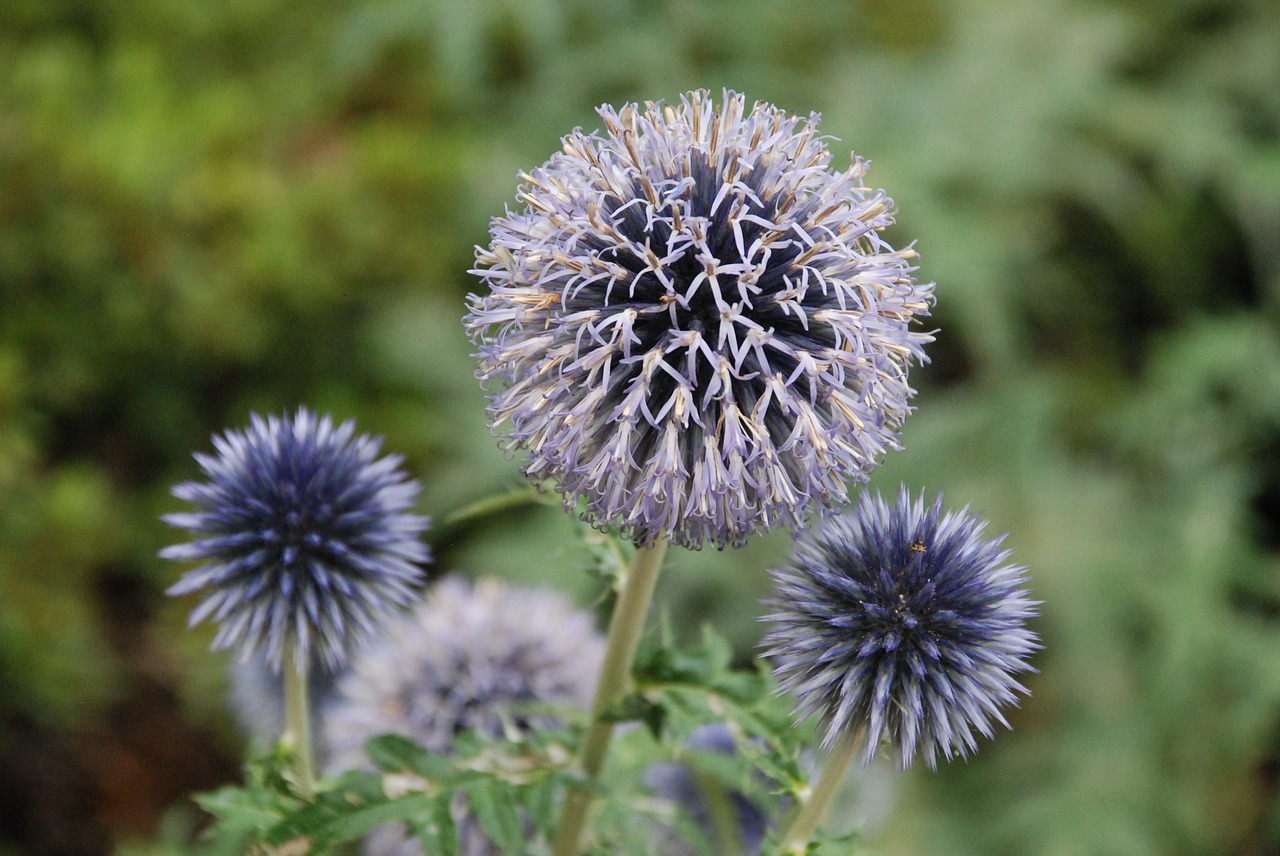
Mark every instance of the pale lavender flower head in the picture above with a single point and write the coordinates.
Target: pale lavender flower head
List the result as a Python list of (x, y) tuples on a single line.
[(903, 621), (697, 326), (492, 658), (305, 535)]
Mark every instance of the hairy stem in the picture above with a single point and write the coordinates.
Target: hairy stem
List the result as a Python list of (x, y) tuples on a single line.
[(615, 675), (297, 719), (809, 809)]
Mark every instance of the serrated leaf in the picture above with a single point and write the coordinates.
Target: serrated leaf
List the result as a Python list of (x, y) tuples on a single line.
[(242, 809), (436, 830), (652, 712), (540, 802), (493, 804), (364, 819), (395, 753)]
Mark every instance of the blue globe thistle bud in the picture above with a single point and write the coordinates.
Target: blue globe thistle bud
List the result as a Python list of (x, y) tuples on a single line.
[(488, 658), (305, 538), (905, 622), (697, 325)]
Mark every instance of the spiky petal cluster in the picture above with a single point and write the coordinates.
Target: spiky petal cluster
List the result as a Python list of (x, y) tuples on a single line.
[(488, 658), (305, 537), (905, 622), (697, 325)]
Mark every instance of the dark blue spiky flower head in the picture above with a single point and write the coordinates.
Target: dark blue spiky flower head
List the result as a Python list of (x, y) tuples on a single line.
[(698, 328), (305, 537), (905, 622)]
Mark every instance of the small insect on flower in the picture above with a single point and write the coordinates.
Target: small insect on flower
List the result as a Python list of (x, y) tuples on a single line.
[(698, 329), (305, 537), (905, 622)]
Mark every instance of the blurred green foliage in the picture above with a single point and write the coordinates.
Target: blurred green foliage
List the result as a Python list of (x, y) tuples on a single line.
[(212, 208)]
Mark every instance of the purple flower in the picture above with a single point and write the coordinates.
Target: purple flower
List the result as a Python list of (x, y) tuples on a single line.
[(304, 535), (697, 327), (905, 622)]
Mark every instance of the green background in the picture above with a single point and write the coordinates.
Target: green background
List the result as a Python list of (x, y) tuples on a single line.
[(208, 208)]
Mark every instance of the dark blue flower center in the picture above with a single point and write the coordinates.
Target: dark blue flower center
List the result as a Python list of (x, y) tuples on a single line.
[(685, 308)]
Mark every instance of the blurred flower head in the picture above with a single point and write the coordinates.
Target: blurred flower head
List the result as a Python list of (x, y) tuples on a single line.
[(905, 622), (697, 327), (491, 658), (305, 537), (483, 658)]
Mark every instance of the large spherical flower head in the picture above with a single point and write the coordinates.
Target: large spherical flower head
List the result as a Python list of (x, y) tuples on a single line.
[(905, 622), (305, 537), (697, 325)]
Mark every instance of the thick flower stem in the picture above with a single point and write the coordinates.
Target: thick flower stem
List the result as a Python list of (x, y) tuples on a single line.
[(809, 810), (615, 675), (297, 719)]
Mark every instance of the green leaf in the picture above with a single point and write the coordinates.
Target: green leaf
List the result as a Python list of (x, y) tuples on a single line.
[(395, 753), (436, 830), (652, 711), (362, 820), (540, 801), (239, 809), (493, 803)]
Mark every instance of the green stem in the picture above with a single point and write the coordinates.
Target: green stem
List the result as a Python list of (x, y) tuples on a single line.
[(297, 719), (493, 505), (809, 809), (615, 676), (720, 812)]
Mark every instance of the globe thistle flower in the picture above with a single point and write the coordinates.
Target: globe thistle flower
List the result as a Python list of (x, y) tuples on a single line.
[(905, 622), (487, 658), (305, 538), (697, 325)]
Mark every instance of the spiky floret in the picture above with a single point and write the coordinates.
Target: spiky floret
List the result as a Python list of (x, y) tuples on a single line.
[(905, 622), (305, 537), (697, 326)]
